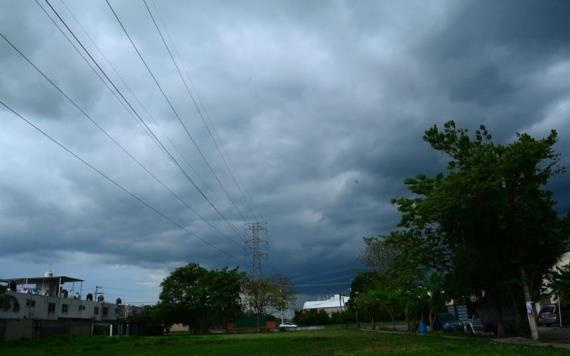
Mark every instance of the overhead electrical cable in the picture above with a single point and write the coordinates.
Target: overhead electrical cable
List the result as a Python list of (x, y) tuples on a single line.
[(322, 284), (206, 112), (157, 140), (123, 103), (131, 92), (347, 269), (105, 132), (198, 109), (172, 108), (54, 22), (328, 279), (114, 182), (174, 194)]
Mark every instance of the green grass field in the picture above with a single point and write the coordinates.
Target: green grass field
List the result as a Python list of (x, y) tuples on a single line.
[(320, 342)]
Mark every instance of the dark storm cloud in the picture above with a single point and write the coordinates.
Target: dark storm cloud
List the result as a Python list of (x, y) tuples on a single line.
[(319, 107)]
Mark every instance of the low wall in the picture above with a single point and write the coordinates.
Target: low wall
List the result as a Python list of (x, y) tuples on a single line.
[(17, 329), (64, 327)]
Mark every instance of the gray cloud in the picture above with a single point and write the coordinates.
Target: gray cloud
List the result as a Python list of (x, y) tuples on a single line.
[(319, 107)]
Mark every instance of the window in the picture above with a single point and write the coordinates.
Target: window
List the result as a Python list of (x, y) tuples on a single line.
[(64, 308), (30, 303), (105, 311), (96, 311), (81, 307), (51, 308)]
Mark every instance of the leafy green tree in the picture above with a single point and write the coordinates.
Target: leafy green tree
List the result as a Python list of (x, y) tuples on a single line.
[(150, 320), (490, 218), (200, 298), (407, 264), (257, 292), (262, 292), (283, 294), (361, 284), (311, 317)]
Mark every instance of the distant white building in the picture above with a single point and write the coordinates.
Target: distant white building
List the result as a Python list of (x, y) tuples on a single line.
[(334, 304)]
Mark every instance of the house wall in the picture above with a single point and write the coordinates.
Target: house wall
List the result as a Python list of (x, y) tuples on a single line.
[(33, 306), (329, 310), (179, 327)]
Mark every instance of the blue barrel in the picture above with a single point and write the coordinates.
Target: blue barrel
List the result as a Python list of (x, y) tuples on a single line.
[(422, 328)]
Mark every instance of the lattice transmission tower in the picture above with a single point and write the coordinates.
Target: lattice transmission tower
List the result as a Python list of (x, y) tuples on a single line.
[(257, 244)]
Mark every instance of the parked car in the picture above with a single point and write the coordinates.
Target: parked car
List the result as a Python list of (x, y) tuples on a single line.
[(447, 322), (548, 315), (287, 326)]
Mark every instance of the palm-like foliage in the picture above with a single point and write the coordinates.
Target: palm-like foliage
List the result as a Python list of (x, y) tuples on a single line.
[(559, 284), (7, 301)]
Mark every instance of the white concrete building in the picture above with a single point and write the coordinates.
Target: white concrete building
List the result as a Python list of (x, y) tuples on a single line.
[(54, 305), (334, 304)]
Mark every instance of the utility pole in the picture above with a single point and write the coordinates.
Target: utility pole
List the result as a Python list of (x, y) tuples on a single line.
[(257, 247), (97, 292)]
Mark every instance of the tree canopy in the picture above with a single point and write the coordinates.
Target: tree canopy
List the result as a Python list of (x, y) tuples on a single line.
[(488, 223), (263, 292), (201, 298)]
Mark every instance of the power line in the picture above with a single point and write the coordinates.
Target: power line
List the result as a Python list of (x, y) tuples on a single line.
[(323, 284), (207, 115), (156, 122), (332, 271), (172, 107), (139, 121), (206, 111), (156, 139), (328, 279), (100, 128), (197, 106), (115, 183)]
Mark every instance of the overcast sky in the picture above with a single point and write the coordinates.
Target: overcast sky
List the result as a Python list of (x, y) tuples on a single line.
[(317, 106)]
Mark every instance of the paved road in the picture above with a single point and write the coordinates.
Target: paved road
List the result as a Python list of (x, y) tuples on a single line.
[(554, 334)]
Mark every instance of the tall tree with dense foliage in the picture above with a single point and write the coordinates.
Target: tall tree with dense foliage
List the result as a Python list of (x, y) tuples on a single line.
[(408, 274), (490, 213), (263, 292), (283, 296), (201, 298)]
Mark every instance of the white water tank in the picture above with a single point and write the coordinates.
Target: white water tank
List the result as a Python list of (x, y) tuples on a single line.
[(48, 273)]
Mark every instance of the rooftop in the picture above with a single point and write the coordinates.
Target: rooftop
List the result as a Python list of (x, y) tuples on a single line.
[(336, 301), (39, 280)]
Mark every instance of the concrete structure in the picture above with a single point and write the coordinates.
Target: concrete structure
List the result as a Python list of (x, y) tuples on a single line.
[(53, 305), (332, 305)]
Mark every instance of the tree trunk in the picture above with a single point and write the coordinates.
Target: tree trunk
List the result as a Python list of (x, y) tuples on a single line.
[(517, 311), (528, 299), (430, 313), (407, 316), (373, 323), (500, 321), (257, 323), (391, 314)]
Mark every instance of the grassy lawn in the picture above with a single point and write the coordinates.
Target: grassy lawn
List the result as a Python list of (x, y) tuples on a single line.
[(321, 342)]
